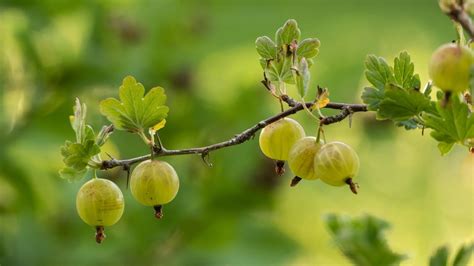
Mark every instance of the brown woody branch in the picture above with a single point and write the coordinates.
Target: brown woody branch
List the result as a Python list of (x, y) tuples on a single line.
[(458, 13), (346, 109)]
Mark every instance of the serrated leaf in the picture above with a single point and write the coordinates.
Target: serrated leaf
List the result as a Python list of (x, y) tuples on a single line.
[(408, 124), (77, 155), (451, 124), (288, 33), (399, 104), (378, 72), (308, 48), (134, 112), (403, 70), (440, 258), (72, 174), (280, 71), (362, 240), (302, 78), (463, 256), (372, 97), (266, 48)]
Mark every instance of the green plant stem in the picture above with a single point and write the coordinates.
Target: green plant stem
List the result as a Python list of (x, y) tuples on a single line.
[(144, 138)]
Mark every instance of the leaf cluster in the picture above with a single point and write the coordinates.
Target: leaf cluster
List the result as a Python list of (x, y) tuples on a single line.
[(395, 95), (77, 155), (362, 240), (287, 60)]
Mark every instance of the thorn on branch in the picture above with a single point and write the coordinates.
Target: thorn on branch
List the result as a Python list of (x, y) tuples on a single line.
[(126, 168), (110, 156), (206, 159), (157, 149)]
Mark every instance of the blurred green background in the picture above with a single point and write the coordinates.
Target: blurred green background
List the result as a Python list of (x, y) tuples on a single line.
[(203, 54)]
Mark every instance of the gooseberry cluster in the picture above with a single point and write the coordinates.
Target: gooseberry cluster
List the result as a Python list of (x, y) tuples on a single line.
[(100, 202), (395, 94), (335, 163)]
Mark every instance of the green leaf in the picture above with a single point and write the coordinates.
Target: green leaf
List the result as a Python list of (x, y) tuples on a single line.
[(77, 155), (445, 147), (463, 255), (288, 33), (451, 124), (362, 240), (404, 72), (134, 112), (72, 174), (280, 71), (440, 258), (308, 48), (378, 72), (400, 104), (104, 134), (428, 89), (408, 124), (266, 48), (372, 97), (77, 120), (302, 78)]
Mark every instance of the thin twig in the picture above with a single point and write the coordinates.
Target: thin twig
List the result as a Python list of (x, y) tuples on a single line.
[(244, 135), (458, 14)]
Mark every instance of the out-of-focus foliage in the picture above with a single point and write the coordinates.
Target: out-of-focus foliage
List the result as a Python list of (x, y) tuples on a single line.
[(203, 53), (362, 240), (462, 256)]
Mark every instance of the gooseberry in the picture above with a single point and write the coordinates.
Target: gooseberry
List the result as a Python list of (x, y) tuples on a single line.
[(301, 157), (450, 67), (100, 203), (277, 138), (154, 183), (337, 164)]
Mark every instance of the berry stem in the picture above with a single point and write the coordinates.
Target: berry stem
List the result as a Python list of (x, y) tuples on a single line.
[(353, 186)]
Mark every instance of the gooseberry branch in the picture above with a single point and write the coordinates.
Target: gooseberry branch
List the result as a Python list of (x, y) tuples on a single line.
[(346, 110), (459, 15)]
